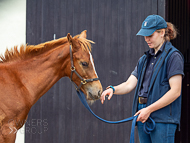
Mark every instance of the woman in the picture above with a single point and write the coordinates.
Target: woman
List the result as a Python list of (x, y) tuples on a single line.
[(158, 80)]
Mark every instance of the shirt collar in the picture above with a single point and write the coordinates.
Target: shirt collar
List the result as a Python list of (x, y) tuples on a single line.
[(151, 51)]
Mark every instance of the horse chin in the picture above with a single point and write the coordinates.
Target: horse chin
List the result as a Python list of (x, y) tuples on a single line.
[(90, 99), (90, 102)]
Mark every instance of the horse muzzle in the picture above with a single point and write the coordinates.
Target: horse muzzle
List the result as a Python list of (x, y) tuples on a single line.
[(94, 96)]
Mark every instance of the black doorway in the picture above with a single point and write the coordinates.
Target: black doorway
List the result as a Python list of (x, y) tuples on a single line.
[(178, 12)]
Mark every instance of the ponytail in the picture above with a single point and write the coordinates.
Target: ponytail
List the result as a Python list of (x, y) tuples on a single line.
[(170, 32)]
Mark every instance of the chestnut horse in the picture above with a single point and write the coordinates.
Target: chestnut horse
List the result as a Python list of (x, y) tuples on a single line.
[(27, 74)]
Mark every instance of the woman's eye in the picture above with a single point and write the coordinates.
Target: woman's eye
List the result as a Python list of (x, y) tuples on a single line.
[(85, 64)]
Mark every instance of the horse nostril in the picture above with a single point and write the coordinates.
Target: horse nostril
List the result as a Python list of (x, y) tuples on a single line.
[(96, 96)]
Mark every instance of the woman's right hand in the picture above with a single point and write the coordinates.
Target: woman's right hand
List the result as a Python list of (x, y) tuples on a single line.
[(108, 92)]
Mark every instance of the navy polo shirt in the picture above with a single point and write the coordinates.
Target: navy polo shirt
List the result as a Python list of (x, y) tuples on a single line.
[(174, 67)]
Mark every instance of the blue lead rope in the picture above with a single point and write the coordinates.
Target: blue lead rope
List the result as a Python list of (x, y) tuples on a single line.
[(147, 129)]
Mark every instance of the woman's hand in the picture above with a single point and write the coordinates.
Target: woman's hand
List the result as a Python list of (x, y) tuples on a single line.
[(143, 114), (108, 92)]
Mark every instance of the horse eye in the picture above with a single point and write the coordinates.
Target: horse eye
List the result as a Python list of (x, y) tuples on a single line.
[(85, 64)]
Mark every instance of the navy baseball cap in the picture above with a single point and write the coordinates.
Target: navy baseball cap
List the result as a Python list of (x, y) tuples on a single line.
[(151, 24)]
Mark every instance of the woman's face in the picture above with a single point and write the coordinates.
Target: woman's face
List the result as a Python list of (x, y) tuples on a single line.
[(156, 39)]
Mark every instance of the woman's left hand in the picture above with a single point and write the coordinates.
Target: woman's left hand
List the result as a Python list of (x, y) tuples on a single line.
[(143, 114)]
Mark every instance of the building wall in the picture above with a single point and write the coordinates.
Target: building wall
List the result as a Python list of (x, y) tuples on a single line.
[(13, 32), (112, 25)]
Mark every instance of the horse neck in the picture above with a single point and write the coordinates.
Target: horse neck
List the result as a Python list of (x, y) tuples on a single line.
[(40, 73)]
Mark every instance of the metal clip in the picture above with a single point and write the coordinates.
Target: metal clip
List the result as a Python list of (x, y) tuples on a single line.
[(83, 81), (72, 68)]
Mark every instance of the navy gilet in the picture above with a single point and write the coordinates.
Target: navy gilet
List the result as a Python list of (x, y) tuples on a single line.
[(159, 85)]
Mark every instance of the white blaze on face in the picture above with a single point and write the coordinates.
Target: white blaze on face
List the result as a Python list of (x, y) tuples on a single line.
[(92, 63)]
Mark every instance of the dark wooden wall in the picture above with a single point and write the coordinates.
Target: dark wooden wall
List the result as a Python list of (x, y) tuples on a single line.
[(59, 117), (178, 12)]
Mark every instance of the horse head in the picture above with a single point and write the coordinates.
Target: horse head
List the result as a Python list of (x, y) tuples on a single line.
[(83, 72)]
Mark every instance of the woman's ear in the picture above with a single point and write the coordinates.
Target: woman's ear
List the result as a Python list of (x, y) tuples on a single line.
[(163, 31)]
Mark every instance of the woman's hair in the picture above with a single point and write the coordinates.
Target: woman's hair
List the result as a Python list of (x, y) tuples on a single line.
[(170, 32)]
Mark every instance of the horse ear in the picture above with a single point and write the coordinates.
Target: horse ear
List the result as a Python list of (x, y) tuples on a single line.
[(72, 42), (69, 37), (83, 34)]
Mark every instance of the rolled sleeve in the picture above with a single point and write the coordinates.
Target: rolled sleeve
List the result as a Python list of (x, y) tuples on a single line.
[(175, 65), (135, 73)]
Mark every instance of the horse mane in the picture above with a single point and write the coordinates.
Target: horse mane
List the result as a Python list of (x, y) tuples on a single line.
[(85, 43), (27, 51)]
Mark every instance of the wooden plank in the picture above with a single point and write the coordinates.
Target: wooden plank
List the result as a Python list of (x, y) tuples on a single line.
[(161, 8)]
